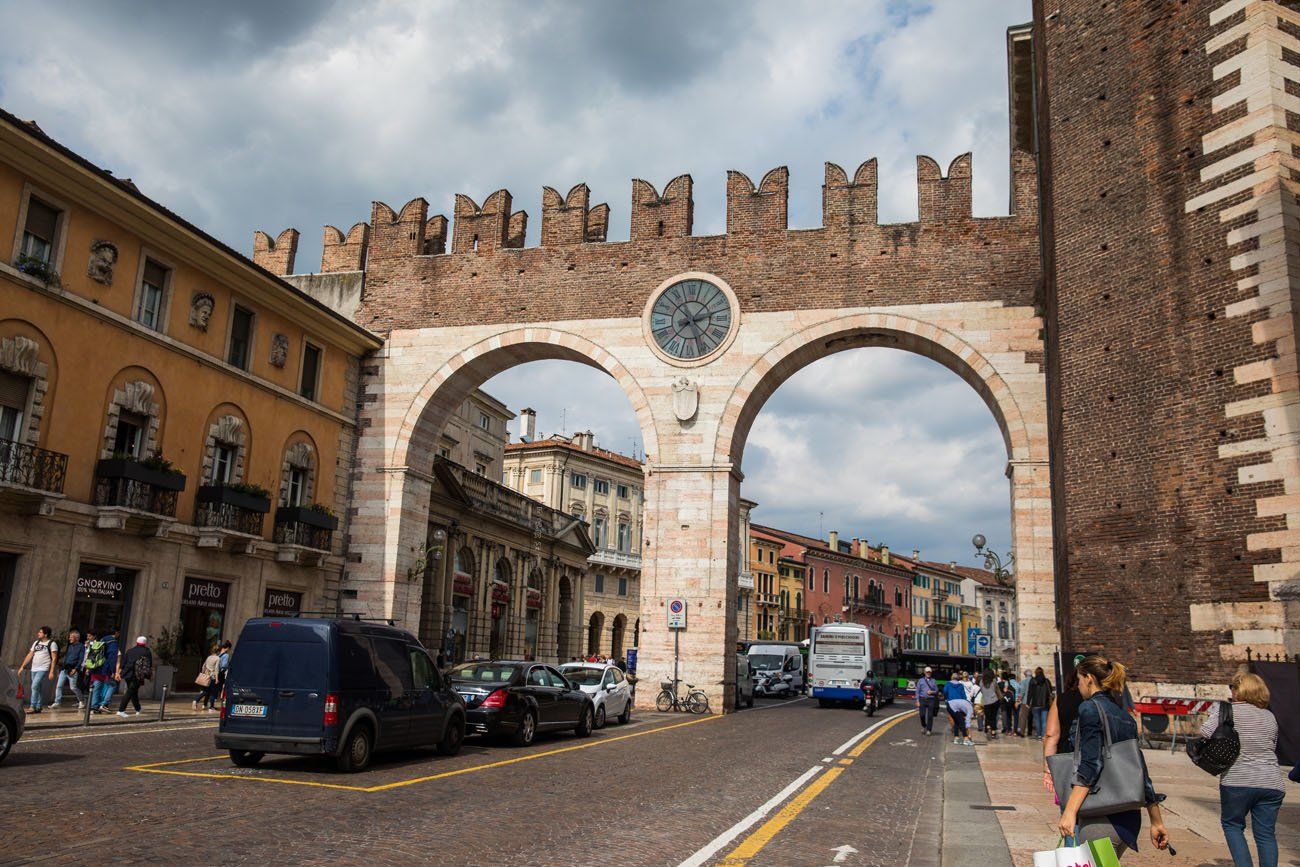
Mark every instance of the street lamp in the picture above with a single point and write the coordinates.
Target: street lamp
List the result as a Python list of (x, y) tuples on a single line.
[(1000, 567)]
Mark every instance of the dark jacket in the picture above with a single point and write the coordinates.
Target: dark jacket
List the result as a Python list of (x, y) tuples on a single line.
[(110, 657), (1040, 692), (129, 660), (73, 655), (1091, 740)]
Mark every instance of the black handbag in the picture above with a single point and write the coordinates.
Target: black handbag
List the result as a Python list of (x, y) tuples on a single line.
[(1220, 750)]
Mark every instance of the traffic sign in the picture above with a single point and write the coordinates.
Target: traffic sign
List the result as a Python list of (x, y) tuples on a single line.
[(983, 644), (676, 613)]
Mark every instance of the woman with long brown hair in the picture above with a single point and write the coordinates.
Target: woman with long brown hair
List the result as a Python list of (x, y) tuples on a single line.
[(1101, 686)]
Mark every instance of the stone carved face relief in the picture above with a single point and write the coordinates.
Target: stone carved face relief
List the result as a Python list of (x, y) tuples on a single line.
[(103, 256), (279, 349), (201, 307)]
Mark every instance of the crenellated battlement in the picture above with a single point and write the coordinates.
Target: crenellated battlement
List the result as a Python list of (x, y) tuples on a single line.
[(850, 208), (276, 255)]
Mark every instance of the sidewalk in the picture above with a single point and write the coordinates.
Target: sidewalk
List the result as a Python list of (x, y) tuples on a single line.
[(1012, 769), (69, 716)]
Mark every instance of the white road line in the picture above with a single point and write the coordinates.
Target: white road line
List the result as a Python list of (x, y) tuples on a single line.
[(137, 729), (746, 823), (839, 751), (778, 704), (727, 836)]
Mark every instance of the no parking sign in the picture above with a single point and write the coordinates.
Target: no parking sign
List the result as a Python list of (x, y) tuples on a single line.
[(676, 608)]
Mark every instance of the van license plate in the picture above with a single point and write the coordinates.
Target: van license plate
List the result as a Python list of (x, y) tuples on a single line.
[(248, 710)]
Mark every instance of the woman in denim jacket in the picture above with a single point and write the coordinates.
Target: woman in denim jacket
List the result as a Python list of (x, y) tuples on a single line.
[(1101, 683)]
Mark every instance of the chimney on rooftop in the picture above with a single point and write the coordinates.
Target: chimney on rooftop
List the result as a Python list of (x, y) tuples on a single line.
[(864, 549), (585, 440), (916, 554), (884, 554), (952, 564), (527, 424), (833, 541)]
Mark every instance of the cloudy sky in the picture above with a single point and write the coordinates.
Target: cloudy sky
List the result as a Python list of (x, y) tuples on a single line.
[(243, 115)]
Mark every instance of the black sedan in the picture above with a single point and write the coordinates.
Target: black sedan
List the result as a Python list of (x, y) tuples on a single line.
[(520, 699)]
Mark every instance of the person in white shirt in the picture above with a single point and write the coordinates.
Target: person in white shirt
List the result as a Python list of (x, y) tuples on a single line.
[(42, 656)]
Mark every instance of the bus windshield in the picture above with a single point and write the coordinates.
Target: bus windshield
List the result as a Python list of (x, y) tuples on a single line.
[(843, 643)]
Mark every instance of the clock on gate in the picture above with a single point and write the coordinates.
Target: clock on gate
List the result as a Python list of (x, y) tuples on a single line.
[(692, 318)]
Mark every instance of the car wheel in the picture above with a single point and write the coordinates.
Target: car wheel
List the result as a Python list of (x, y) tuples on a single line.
[(600, 717), (626, 716), (245, 758), (453, 737), (584, 726), (527, 730), (6, 738), (356, 750)]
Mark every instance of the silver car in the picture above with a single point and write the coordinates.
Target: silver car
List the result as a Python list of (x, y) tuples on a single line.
[(607, 686), (13, 716)]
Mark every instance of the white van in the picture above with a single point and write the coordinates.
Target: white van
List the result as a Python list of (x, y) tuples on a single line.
[(783, 657)]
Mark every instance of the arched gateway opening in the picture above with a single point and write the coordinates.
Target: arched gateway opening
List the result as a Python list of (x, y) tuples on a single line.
[(694, 419)]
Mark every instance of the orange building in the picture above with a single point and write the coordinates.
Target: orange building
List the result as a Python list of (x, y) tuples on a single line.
[(176, 422)]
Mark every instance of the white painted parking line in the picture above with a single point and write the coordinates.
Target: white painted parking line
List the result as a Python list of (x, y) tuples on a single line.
[(778, 704), (719, 842), (136, 729)]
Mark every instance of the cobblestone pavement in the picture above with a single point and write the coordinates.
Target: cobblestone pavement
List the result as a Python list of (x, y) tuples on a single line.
[(655, 792)]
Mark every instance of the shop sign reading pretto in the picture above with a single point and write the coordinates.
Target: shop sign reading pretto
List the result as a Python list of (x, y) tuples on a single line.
[(281, 603), (100, 587), (202, 593)]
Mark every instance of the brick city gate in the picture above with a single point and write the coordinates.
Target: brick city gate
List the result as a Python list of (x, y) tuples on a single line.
[(950, 286)]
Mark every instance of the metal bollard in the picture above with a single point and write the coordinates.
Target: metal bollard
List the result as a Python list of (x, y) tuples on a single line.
[(162, 705), (86, 720)]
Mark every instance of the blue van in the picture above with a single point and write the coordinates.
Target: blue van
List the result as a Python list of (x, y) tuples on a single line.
[(341, 688)]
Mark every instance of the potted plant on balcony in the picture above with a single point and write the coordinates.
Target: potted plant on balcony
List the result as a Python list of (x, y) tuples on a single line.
[(154, 470), (167, 646), (312, 514), (240, 495), (34, 266)]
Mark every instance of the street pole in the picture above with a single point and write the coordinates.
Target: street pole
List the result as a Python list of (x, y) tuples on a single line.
[(677, 637)]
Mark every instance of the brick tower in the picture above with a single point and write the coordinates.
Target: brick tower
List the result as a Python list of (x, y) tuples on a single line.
[(1169, 229)]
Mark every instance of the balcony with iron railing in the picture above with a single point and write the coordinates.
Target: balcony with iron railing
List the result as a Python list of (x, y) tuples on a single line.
[(136, 494), (616, 560), (29, 474), (303, 534), (772, 599), (794, 615), (504, 503), (872, 603), (231, 515), (942, 619)]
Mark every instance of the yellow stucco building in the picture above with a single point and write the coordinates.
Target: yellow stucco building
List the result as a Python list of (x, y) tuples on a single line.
[(176, 422)]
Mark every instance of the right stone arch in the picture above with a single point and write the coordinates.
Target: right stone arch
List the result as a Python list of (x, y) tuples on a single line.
[(1002, 366)]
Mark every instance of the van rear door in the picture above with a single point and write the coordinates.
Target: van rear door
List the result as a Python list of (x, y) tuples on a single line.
[(277, 681)]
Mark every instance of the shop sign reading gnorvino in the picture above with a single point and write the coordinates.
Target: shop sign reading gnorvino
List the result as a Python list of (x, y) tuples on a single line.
[(96, 587), (202, 593)]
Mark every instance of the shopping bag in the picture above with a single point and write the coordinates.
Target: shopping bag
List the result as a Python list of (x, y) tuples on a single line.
[(1066, 855), (1103, 852)]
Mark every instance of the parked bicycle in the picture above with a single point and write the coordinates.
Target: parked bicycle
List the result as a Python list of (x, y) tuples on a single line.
[(669, 698)]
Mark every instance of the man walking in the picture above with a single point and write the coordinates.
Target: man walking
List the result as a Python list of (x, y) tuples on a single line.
[(70, 669), (42, 655), (101, 663), (1040, 699), (1022, 705), (927, 699), (135, 669)]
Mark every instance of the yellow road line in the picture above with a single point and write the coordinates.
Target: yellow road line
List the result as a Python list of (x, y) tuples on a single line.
[(846, 761), (755, 842), (160, 767)]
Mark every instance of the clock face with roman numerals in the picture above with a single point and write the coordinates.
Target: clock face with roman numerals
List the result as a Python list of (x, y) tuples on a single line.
[(690, 319)]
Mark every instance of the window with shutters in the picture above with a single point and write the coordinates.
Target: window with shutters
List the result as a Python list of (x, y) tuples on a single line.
[(297, 485), (309, 381), (129, 439), (153, 293), (13, 405), (223, 463), (40, 230), (241, 337)]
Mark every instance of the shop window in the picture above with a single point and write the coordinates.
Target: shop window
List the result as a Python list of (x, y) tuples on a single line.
[(129, 440), (40, 231), (102, 598), (241, 337), (308, 382), (203, 623), (153, 288)]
